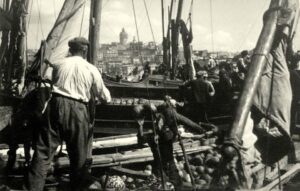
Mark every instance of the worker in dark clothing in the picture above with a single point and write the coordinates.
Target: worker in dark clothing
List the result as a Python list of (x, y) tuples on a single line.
[(147, 70), (166, 121), (239, 73), (74, 80), (237, 78), (294, 59), (243, 62), (224, 96), (295, 84), (202, 90)]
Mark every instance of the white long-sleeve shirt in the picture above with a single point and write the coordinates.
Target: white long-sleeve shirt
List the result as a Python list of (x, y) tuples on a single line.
[(74, 77)]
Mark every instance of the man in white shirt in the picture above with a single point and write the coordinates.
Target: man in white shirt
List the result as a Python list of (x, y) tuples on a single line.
[(74, 80), (211, 63)]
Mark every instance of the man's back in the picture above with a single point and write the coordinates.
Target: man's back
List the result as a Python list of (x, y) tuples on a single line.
[(74, 77), (242, 66), (200, 89)]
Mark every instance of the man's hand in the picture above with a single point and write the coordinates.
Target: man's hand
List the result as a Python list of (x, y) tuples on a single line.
[(140, 135), (209, 127), (141, 138)]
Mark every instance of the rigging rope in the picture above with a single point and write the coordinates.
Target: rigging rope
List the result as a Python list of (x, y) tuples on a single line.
[(27, 28), (40, 18), (37, 32), (252, 26), (137, 32), (28, 24), (149, 22), (190, 12), (29, 18), (141, 15), (110, 29), (148, 95), (82, 17), (211, 25), (136, 27)]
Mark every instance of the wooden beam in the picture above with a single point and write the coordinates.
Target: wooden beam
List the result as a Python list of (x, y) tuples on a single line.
[(94, 33), (175, 39), (23, 46), (132, 173), (256, 68)]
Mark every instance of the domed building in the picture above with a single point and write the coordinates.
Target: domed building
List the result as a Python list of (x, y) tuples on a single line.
[(123, 37)]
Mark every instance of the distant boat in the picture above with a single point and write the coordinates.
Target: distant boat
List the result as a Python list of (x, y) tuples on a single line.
[(151, 87)]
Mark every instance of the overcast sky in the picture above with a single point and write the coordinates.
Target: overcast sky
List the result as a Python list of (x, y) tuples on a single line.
[(233, 24)]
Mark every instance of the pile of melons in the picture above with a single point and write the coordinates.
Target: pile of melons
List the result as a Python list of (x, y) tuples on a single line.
[(203, 167)]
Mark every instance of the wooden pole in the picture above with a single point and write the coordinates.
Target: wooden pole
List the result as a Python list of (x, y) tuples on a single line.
[(169, 58), (179, 11), (94, 33), (162, 18), (4, 43), (259, 59), (175, 40), (258, 63), (12, 44), (23, 45), (166, 42), (94, 38)]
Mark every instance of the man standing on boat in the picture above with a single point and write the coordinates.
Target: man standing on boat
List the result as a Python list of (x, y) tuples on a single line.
[(202, 90), (74, 81), (243, 64), (166, 121)]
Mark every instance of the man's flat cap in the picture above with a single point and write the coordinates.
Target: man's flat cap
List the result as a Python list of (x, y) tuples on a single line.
[(78, 42), (202, 73), (244, 53)]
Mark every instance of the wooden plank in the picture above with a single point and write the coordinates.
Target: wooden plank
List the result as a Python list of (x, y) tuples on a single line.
[(284, 178), (133, 173), (115, 130), (142, 155)]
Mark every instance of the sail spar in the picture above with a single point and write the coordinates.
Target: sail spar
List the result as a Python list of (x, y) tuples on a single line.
[(272, 100)]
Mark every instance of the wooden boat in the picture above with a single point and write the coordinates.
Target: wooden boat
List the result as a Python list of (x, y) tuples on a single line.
[(277, 176), (152, 87)]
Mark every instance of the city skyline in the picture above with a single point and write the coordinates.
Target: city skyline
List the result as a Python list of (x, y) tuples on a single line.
[(233, 25)]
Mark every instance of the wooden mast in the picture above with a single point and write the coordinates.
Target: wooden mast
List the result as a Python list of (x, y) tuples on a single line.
[(256, 68), (94, 37), (4, 43), (15, 47), (167, 40), (23, 46), (175, 39), (94, 33), (162, 18)]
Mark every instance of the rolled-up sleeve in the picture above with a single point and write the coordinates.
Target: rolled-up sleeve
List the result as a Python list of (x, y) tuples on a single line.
[(99, 88)]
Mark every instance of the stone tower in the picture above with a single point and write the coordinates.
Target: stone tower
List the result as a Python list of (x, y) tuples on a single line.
[(123, 37)]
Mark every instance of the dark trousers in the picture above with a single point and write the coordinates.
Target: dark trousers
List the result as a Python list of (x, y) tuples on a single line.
[(167, 159), (197, 112), (66, 120), (295, 109)]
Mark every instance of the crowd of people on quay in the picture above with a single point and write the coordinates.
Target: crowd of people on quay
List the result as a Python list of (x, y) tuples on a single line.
[(216, 85)]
